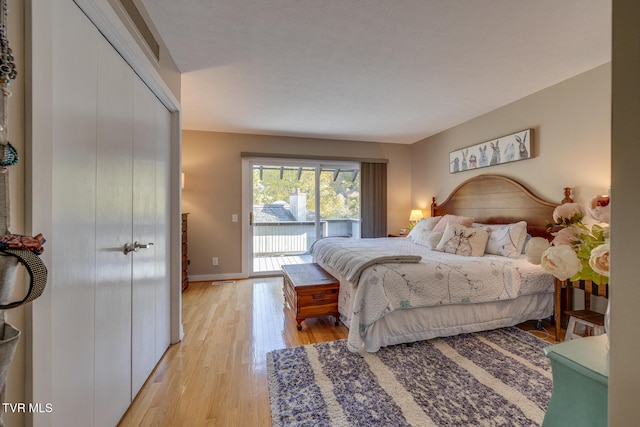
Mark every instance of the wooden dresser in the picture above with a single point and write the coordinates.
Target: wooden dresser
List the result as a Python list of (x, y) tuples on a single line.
[(185, 254)]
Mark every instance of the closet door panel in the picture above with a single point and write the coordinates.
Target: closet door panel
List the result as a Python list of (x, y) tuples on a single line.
[(72, 273), (144, 282), (110, 186), (113, 231), (163, 271)]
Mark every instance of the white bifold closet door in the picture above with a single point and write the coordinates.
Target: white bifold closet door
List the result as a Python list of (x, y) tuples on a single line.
[(114, 188), (150, 303), (72, 277), (110, 309)]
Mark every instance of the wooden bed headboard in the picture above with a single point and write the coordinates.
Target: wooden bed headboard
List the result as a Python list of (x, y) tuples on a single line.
[(495, 199)]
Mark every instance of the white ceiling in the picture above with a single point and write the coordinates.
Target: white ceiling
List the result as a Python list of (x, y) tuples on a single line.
[(371, 70)]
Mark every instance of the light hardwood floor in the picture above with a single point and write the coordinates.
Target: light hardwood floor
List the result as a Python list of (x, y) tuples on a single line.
[(217, 375)]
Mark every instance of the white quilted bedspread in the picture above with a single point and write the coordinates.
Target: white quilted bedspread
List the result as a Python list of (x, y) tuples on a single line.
[(438, 279)]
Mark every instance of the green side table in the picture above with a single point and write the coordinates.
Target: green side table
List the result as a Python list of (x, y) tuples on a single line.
[(580, 383)]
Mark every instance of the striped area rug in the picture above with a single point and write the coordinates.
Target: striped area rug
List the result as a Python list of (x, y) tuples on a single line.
[(492, 378)]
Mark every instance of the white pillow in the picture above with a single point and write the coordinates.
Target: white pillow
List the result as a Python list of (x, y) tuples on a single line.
[(425, 224), (456, 219), (429, 239), (506, 240), (460, 240)]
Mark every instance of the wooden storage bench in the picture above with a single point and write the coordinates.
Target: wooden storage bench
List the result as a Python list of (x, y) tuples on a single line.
[(310, 291)]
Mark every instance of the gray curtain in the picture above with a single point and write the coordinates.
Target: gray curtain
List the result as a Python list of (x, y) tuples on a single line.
[(373, 199)]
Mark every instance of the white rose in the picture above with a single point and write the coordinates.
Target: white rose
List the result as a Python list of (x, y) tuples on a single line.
[(535, 247), (600, 209), (567, 235), (567, 212), (561, 261), (599, 260)]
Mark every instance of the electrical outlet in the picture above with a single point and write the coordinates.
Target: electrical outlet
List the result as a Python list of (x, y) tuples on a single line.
[(214, 260), (234, 217)]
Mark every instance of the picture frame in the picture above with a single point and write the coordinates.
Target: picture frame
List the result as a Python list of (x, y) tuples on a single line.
[(505, 149)]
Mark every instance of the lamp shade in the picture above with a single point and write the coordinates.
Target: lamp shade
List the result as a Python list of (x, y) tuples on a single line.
[(416, 215)]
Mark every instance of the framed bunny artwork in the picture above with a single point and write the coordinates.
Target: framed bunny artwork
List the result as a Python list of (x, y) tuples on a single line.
[(506, 149)]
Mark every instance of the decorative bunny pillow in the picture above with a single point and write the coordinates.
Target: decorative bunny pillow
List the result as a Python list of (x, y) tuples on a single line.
[(460, 240)]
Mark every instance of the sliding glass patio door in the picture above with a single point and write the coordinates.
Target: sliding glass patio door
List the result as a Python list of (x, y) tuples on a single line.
[(294, 203)]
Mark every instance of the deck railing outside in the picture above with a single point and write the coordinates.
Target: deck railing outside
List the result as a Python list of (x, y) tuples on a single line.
[(296, 237)]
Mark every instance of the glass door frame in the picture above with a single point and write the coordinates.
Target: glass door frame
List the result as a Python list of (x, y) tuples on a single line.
[(247, 197)]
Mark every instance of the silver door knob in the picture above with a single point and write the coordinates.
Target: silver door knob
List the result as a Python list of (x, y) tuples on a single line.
[(137, 245)]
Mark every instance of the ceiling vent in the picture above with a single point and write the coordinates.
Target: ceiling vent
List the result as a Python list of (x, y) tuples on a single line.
[(138, 21)]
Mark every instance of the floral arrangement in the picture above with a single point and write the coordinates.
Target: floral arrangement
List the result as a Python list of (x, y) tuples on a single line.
[(578, 252)]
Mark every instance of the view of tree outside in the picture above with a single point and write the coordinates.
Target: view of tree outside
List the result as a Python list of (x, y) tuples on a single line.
[(340, 197)]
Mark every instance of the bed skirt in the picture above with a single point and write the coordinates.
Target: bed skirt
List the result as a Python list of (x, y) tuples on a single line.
[(403, 326), (417, 324)]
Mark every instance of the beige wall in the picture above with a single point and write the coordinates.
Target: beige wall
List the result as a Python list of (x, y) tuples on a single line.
[(571, 142), (213, 188), (624, 378)]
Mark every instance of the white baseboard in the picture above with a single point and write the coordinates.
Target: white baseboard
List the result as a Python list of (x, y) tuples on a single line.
[(231, 276), (214, 277)]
